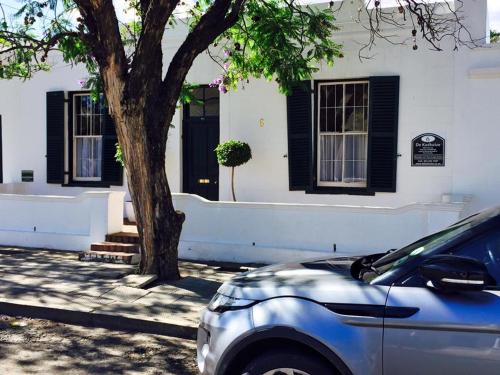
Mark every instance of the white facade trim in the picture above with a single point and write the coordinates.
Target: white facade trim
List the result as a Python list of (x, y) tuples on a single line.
[(60, 222), (276, 232), (485, 73)]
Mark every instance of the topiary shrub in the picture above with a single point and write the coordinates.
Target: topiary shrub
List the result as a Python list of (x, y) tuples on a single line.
[(233, 154)]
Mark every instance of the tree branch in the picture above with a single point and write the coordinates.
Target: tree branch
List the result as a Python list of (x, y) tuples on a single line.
[(433, 22), (148, 55), (104, 38), (219, 17)]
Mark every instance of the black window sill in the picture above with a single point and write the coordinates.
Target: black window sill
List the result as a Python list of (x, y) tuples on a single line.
[(339, 190), (96, 184)]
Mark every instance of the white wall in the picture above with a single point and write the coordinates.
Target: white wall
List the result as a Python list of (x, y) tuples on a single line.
[(476, 138), (436, 95), (426, 105), (24, 135), (273, 232), (59, 222)]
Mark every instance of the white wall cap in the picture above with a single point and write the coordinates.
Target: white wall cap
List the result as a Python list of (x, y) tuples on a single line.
[(485, 73), (437, 206), (99, 194)]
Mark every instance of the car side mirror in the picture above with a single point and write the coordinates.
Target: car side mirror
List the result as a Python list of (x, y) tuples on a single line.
[(453, 273)]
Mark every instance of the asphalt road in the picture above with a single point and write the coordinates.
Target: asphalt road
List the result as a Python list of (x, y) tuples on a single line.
[(32, 346)]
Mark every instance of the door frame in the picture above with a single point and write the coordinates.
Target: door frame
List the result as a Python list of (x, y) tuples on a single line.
[(186, 120)]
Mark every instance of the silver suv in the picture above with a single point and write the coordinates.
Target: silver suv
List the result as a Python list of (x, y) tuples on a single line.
[(432, 307)]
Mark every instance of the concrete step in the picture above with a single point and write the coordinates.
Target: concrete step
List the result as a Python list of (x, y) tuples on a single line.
[(128, 222), (123, 237), (109, 256), (115, 247)]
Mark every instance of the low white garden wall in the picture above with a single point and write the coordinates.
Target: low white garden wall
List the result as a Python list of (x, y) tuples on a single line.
[(59, 222), (269, 232)]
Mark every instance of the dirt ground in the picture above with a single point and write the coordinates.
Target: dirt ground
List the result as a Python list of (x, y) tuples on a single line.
[(32, 346)]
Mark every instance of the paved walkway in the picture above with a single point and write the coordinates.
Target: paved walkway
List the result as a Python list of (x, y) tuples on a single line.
[(55, 285)]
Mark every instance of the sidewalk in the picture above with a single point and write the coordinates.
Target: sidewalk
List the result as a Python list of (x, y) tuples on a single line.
[(56, 286)]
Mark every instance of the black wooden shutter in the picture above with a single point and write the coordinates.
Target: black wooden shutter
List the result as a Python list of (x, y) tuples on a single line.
[(55, 137), (383, 133), (299, 136), (112, 171)]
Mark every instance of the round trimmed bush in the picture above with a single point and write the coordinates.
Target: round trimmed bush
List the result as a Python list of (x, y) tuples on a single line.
[(233, 153)]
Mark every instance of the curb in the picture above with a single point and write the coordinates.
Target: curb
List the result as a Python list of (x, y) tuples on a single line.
[(98, 320)]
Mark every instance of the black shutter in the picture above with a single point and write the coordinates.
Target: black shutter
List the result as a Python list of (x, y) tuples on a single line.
[(55, 137), (383, 133), (299, 136), (112, 171)]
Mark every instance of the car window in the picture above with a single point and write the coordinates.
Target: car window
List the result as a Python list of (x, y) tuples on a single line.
[(429, 245), (486, 249)]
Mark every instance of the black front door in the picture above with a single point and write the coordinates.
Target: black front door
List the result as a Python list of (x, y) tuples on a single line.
[(200, 138)]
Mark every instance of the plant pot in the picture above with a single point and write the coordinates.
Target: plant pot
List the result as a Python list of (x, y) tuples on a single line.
[(129, 211)]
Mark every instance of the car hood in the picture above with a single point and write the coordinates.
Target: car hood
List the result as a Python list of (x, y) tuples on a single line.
[(321, 280)]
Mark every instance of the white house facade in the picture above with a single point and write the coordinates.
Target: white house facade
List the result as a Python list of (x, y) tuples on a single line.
[(367, 155)]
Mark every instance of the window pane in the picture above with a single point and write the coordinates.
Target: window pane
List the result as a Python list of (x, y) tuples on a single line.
[(85, 125), (211, 93), (82, 157), (349, 119), (211, 101), (322, 96), (349, 95), (78, 125), (330, 119), (86, 106), (322, 120), (359, 119), (196, 106), (98, 124), (339, 118), (358, 94), (365, 119), (88, 157), (330, 96), (97, 156), (195, 110), (339, 95), (365, 95), (212, 107), (331, 158), (355, 158)]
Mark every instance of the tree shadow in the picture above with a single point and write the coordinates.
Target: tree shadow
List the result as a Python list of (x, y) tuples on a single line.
[(52, 348)]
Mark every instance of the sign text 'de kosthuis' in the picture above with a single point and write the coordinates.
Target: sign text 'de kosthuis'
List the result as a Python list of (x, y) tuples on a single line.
[(428, 150)]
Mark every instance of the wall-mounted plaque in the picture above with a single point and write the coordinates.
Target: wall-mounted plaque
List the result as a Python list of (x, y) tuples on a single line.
[(427, 150), (26, 176)]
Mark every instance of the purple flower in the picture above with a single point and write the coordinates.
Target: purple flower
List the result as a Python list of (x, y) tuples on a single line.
[(222, 89), (227, 53), (216, 82), (226, 66), (82, 82)]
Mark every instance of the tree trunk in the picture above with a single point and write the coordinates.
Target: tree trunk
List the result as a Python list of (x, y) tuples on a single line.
[(158, 223), (232, 184)]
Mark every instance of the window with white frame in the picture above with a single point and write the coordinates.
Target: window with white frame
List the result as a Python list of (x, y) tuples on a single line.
[(342, 134), (88, 123)]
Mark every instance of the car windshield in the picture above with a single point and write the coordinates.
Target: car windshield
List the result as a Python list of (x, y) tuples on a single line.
[(430, 243)]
